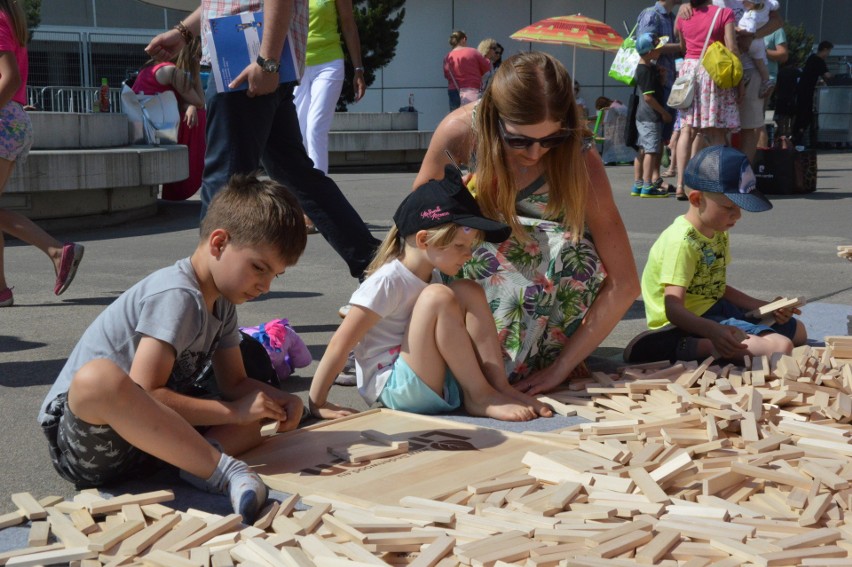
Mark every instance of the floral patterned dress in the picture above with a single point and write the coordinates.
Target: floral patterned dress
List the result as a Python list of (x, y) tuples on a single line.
[(539, 291)]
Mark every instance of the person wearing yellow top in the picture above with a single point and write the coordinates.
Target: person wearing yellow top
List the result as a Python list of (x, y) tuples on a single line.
[(321, 85)]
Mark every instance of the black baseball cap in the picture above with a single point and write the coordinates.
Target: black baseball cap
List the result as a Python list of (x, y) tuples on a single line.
[(443, 201), (725, 170)]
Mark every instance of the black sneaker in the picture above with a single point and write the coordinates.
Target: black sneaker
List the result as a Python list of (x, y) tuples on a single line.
[(654, 345)]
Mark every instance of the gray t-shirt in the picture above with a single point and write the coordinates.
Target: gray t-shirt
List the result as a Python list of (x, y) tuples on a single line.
[(167, 305)]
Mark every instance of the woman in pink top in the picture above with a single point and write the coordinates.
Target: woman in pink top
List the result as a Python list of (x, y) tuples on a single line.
[(714, 109), (181, 75), (16, 139), (463, 67)]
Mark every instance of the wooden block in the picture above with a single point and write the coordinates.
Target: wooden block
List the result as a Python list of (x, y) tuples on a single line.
[(809, 539), (622, 544), (65, 531), (648, 486), (135, 544), (782, 303), (815, 509), (342, 529), (161, 558), (51, 557), (793, 556), (181, 531), (658, 547), (29, 505), (264, 518), (769, 474), (434, 552), (501, 484), (623, 529), (225, 524), (269, 427), (104, 506), (310, 519), (39, 534), (106, 539)]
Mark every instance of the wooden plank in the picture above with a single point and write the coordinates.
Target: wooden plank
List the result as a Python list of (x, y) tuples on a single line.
[(39, 534), (51, 557), (662, 543), (29, 505), (105, 506), (106, 539), (434, 552)]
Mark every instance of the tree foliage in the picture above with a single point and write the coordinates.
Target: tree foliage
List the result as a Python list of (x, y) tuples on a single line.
[(378, 24), (33, 10), (799, 42)]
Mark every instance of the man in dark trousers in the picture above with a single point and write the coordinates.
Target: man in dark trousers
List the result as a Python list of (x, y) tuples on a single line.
[(815, 69), (259, 125)]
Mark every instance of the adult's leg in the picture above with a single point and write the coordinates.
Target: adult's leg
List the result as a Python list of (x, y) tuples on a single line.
[(286, 161), (326, 88), (302, 99), (437, 338), (23, 228), (479, 322), (237, 131)]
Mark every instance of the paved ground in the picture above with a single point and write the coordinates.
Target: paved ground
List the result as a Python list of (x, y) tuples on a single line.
[(787, 251)]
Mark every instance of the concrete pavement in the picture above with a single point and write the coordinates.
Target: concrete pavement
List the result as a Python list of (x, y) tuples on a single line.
[(787, 251)]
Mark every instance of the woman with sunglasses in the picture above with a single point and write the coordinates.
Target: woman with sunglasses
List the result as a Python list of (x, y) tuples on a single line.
[(566, 276)]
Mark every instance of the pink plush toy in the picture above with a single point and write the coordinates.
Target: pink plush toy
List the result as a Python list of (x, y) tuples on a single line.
[(286, 349)]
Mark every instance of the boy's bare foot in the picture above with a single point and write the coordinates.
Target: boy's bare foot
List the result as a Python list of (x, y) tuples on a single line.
[(500, 406)]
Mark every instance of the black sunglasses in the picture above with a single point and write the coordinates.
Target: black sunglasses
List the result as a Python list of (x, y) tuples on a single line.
[(518, 142)]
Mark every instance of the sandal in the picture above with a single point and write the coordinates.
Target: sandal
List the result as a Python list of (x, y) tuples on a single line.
[(669, 173), (680, 194)]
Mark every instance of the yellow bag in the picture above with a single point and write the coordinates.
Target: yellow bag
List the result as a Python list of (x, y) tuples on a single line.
[(723, 66)]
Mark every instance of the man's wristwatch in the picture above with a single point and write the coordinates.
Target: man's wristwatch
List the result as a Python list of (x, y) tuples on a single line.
[(268, 65)]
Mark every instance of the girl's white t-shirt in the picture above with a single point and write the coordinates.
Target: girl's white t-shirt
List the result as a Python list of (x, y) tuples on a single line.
[(391, 292)]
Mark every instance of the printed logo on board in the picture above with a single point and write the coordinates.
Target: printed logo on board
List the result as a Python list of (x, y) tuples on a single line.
[(430, 441)]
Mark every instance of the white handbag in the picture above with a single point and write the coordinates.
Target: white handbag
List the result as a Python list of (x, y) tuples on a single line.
[(154, 119), (683, 89)]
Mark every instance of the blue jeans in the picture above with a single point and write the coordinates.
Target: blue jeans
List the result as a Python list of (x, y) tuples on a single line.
[(455, 99), (244, 133)]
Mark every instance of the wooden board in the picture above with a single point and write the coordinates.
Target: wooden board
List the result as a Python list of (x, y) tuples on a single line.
[(443, 457)]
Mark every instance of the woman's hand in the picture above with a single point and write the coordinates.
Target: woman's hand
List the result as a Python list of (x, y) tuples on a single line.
[(359, 85), (541, 381), (190, 117)]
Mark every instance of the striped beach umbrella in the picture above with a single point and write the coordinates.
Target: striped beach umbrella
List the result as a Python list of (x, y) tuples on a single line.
[(577, 31)]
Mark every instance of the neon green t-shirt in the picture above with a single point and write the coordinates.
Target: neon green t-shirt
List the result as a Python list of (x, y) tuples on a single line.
[(323, 33), (684, 257)]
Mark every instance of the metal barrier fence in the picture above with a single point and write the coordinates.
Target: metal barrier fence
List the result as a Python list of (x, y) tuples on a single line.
[(71, 99), (81, 59)]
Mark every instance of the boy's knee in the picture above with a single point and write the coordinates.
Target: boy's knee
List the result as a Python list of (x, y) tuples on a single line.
[(99, 378), (780, 343)]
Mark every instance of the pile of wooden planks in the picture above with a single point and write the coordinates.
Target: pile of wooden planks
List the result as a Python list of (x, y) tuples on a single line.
[(685, 464)]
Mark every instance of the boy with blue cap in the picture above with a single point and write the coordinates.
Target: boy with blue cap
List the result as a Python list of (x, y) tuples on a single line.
[(691, 310), (650, 115)]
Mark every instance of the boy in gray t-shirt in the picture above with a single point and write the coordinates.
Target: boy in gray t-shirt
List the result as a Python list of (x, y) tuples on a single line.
[(126, 393)]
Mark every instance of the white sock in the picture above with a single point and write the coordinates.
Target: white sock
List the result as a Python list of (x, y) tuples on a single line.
[(235, 478)]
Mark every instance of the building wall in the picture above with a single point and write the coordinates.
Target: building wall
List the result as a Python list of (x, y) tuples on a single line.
[(417, 70)]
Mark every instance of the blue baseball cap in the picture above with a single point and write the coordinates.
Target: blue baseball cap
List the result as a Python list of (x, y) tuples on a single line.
[(647, 42), (721, 169)]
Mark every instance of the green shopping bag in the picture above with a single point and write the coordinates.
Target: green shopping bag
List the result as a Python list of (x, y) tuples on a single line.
[(623, 68)]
